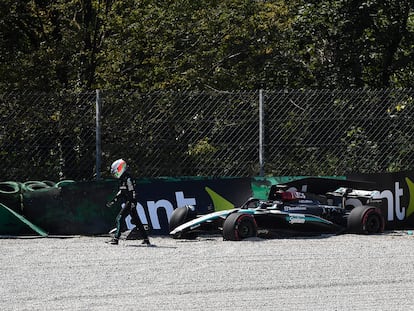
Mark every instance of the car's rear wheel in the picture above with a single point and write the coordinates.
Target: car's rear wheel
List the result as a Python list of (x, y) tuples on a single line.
[(239, 226), (366, 220)]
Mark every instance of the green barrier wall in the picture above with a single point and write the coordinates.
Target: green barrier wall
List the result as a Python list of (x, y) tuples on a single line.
[(72, 208), (12, 223), (69, 207)]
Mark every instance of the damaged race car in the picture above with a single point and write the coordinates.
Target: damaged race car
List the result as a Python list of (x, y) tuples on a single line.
[(287, 212)]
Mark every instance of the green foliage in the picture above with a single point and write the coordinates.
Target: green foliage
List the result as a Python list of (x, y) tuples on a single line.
[(356, 43), (226, 45)]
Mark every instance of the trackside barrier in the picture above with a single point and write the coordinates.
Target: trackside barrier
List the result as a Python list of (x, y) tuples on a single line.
[(12, 212), (12, 223), (79, 208), (10, 195), (68, 208)]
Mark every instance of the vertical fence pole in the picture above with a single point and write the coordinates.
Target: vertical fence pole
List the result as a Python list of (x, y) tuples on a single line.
[(261, 136), (98, 135)]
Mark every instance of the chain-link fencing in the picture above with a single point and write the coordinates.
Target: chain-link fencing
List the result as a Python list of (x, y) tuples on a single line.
[(246, 133), (327, 132), (47, 136)]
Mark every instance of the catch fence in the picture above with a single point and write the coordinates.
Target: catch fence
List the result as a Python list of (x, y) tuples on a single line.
[(240, 133)]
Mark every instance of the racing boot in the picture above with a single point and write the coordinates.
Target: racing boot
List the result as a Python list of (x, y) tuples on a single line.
[(113, 241), (146, 242)]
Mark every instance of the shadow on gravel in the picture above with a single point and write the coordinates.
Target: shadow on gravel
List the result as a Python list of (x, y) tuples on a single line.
[(150, 246), (33, 237)]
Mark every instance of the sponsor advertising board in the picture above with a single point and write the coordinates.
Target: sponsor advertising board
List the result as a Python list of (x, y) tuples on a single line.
[(79, 207)]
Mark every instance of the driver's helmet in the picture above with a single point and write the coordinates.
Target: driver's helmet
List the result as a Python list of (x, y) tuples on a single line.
[(118, 168)]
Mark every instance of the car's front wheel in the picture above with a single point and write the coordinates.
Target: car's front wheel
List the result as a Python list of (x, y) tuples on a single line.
[(181, 215), (239, 226)]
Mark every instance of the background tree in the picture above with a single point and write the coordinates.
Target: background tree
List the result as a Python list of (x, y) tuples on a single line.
[(347, 44), (51, 45), (152, 45), (70, 48), (194, 45)]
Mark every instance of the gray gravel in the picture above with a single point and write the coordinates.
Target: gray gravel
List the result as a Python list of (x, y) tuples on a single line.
[(347, 272)]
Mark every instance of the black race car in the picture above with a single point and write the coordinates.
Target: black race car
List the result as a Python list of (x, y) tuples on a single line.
[(287, 212)]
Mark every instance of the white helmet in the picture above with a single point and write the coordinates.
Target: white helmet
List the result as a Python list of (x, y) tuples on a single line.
[(118, 168)]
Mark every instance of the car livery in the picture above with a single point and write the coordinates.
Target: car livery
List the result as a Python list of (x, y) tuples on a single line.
[(287, 212)]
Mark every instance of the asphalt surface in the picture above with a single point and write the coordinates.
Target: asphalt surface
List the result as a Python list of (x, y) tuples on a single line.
[(348, 272)]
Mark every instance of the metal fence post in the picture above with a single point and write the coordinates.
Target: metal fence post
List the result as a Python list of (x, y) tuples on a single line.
[(98, 135), (261, 136)]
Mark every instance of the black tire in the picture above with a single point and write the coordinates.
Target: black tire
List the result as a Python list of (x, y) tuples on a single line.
[(366, 220), (64, 183), (10, 195), (181, 215), (49, 183), (239, 226), (35, 185), (9, 188)]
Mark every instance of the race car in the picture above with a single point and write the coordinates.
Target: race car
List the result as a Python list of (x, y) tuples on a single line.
[(287, 212)]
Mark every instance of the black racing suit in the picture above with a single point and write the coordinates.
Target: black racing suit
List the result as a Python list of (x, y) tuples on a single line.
[(127, 196)]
